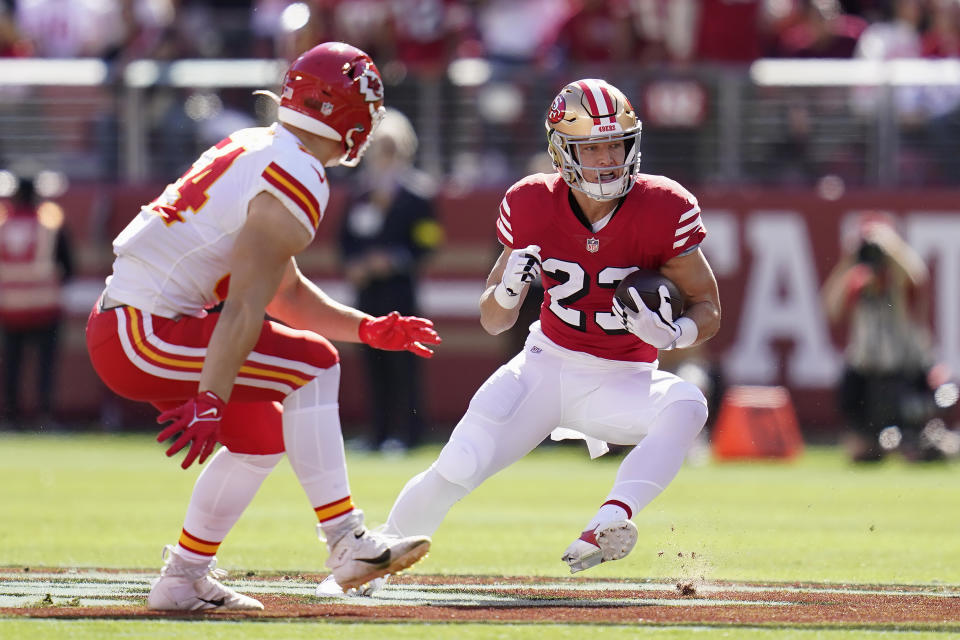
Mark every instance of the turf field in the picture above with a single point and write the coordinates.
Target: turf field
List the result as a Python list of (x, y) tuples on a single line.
[(112, 502)]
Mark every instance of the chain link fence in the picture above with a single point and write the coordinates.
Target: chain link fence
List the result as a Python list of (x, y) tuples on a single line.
[(775, 123)]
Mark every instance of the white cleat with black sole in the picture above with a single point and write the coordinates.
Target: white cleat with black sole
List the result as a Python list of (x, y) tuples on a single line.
[(194, 586), (359, 555)]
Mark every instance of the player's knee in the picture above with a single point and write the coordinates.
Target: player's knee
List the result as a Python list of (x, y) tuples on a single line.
[(684, 391), (329, 385), (256, 463), (323, 390), (464, 460), (688, 413), (697, 412)]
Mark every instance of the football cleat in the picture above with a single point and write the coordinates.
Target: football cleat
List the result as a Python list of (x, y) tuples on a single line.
[(608, 541), (358, 555), (194, 586), (328, 588)]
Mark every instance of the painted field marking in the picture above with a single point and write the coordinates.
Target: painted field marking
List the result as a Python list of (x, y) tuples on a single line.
[(100, 588)]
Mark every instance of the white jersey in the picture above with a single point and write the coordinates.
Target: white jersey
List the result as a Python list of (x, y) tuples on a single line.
[(173, 258)]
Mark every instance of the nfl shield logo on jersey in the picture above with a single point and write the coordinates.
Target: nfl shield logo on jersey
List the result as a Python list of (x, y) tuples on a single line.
[(593, 245)]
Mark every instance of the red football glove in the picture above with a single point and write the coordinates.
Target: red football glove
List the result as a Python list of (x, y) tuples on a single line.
[(199, 421), (394, 332)]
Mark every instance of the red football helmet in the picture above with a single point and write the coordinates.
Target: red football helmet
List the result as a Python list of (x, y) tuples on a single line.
[(335, 91)]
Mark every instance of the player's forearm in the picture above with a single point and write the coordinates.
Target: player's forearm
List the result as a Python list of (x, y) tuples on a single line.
[(234, 337), (306, 306), (706, 315), (494, 318)]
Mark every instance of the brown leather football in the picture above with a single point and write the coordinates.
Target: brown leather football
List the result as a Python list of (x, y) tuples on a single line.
[(647, 283)]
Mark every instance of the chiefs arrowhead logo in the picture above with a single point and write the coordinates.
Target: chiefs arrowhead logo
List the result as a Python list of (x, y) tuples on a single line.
[(370, 85)]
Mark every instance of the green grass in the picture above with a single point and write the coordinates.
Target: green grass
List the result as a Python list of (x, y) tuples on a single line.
[(161, 630), (114, 501)]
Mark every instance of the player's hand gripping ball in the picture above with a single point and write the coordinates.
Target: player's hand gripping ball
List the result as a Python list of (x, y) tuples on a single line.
[(647, 283), (648, 305)]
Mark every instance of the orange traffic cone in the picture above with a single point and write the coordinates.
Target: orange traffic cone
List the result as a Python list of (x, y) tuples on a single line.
[(756, 422)]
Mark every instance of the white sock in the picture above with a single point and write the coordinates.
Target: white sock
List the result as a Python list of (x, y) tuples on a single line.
[(314, 443), (609, 512), (647, 470), (423, 503), (222, 492)]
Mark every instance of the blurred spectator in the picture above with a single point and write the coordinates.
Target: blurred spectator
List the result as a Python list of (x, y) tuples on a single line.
[(72, 28), (915, 107), (149, 28), (285, 29), (942, 37), (35, 259), (594, 32), (12, 42), (514, 32), (514, 37), (898, 36), (822, 31), (722, 31), (426, 33), (802, 153), (362, 23), (878, 289), (388, 229), (869, 10), (942, 40)]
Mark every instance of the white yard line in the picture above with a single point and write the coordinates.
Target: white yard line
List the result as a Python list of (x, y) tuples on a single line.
[(98, 588)]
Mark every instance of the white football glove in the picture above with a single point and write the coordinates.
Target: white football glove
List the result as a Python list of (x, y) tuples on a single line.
[(523, 267), (656, 328)]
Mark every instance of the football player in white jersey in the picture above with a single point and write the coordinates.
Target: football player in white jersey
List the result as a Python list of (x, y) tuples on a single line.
[(228, 230), (589, 366)]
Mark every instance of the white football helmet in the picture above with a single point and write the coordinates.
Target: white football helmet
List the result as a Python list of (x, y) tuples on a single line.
[(593, 110)]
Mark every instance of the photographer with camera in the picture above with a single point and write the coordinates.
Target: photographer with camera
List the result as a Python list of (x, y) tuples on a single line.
[(878, 288)]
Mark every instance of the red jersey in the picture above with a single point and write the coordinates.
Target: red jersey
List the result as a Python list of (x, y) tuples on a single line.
[(657, 220)]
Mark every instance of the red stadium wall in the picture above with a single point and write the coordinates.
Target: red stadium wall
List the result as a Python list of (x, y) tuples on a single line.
[(770, 248)]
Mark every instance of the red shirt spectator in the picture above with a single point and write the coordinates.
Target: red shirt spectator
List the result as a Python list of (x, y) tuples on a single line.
[(595, 31), (728, 31), (423, 31), (942, 38), (823, 32)]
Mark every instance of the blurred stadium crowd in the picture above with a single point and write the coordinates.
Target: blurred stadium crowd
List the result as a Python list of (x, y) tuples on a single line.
[(489, 66), (421, 36)]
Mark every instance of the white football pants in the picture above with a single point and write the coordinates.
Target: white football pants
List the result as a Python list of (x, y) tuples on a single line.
[(544, 387)]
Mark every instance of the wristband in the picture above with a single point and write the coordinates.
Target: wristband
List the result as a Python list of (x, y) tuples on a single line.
[(504, 299), (688, 333)]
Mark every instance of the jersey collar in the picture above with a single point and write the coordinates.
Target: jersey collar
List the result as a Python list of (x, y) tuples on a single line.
[(578, 212)]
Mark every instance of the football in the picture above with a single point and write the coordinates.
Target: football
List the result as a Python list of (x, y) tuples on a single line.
[(647, 283)]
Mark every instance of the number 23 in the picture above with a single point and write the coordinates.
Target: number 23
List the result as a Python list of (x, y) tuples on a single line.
[(574, 285)]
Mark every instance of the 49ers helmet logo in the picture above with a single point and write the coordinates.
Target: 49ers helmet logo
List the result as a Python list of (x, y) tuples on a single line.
[(557, 109)]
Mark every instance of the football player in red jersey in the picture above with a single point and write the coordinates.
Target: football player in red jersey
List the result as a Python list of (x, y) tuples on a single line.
[(236, 219), (589, 366)]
